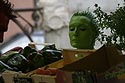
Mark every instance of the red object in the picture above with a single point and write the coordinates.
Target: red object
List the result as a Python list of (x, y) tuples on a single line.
[(53, 71), (16, 49), (49, 71)]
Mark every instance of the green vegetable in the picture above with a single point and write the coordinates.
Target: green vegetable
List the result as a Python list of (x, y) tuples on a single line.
[(51, 47), (7, 56), (51, 56), (36, 60), (27, 50), (4, 66), (19, 61)]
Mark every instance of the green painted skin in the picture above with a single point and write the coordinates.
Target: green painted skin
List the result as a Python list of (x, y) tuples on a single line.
[(80, 33)]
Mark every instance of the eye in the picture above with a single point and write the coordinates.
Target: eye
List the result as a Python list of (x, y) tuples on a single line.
[(71, 28), (82, 29)]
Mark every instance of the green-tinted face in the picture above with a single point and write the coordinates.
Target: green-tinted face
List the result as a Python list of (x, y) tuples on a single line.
[(80, 32)]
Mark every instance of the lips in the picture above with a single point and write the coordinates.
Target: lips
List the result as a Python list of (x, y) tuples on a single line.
[(75, 41)]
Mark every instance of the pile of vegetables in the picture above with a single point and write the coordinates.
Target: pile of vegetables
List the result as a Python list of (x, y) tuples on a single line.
[(27, 59)]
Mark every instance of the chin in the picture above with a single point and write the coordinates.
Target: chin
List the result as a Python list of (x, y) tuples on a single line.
[(75, 46)]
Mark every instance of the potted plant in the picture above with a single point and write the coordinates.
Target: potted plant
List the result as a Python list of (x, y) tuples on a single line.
[(115, 21)]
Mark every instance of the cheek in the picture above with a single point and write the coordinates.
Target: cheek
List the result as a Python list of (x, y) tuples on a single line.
[(70, 34), (83, 34)]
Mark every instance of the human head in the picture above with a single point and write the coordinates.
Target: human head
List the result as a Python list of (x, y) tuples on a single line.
[(6, 13), (83, 30)]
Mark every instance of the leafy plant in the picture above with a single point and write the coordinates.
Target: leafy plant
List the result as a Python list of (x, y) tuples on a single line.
[(115, 22)]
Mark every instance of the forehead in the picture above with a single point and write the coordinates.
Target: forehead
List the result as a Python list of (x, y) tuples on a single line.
[(80, 20)]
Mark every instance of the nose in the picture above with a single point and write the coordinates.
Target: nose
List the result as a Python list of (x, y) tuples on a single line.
[(76, 31)]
